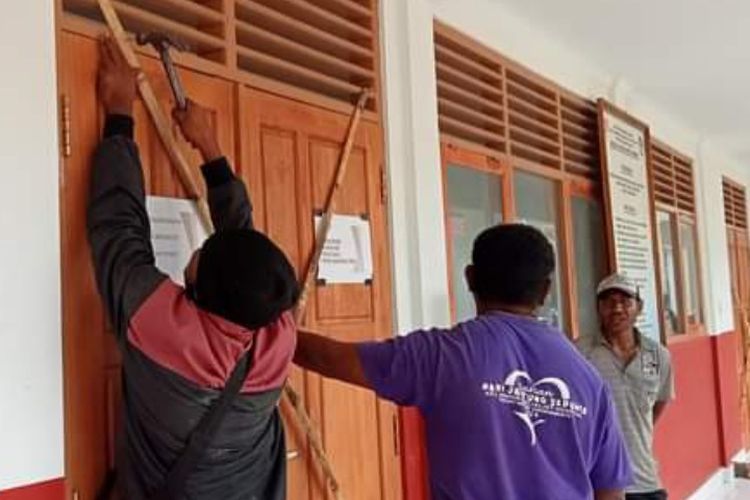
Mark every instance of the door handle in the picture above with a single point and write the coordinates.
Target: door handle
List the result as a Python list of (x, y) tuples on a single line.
[(292, 455)]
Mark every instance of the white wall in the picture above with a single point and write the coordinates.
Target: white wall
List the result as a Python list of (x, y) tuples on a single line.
[(31, 410), (421, 292)]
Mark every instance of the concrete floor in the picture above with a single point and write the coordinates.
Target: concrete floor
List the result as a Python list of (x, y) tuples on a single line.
[(740, 490)]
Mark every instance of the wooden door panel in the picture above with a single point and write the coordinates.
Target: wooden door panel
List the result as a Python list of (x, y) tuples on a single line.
[(739, 265), (278, 214), (83, 322), (290, 152), (352, 440), (341, 302), (92, 361)]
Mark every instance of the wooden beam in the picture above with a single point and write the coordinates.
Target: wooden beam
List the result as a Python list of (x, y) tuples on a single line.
[(161, 123)]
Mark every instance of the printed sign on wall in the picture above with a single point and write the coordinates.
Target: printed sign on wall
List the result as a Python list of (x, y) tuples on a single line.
[(626, 176), (347, 254), (176, 232)]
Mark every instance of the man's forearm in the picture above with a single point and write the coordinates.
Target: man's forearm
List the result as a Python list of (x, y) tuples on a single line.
[(330, 358), (609, 495)]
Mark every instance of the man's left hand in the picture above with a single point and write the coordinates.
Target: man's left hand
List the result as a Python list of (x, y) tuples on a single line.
[(116, 79)]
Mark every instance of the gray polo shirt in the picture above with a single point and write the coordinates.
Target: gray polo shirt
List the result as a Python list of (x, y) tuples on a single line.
[(636, 388)]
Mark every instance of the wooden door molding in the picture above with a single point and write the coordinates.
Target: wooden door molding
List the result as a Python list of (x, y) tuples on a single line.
[(288, 152)]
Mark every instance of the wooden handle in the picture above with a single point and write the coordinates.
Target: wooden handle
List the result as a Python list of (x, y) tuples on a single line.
[(161, 123)]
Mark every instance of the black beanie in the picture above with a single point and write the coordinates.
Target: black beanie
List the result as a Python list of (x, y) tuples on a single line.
[(245, 278)]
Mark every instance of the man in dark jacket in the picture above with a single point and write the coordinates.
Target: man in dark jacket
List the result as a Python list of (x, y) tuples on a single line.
[(180, 345)]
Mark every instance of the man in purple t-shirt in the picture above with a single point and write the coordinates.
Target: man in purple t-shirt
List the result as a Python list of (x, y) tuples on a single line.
[(512, 410)]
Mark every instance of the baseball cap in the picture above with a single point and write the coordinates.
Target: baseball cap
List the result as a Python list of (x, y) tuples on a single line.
[(620, 283)]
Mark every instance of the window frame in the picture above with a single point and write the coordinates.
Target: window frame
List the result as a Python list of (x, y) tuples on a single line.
[(568, 186), (452, 155), (678, 217)]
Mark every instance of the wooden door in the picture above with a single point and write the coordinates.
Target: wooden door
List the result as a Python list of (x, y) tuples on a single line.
[(739, 261), (91, 360), (289, 155)]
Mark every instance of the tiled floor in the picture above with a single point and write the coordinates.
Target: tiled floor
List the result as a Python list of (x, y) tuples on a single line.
[(740, 491)]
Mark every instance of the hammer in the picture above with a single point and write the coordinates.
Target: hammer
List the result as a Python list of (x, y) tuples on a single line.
[(162, 43)]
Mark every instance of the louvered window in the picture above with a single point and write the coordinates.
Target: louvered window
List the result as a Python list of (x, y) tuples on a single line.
[(489, 103), (679, 257), (672, 174), (735, 205), (324, 47), (470, 99), (327, 46), (197, 25)]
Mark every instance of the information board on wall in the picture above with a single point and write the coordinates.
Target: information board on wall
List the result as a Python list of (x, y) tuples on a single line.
[(630, 223)]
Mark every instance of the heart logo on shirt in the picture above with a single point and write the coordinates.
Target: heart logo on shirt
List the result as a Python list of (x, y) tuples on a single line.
[(535, 401)]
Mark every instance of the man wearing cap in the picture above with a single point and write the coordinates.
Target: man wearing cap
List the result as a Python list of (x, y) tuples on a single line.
[(639, 373), (220, 347)]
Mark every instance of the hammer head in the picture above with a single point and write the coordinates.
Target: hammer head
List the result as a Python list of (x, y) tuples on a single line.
[(160, 41)]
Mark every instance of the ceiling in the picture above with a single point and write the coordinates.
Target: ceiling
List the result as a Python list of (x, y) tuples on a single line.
[(691, 57)]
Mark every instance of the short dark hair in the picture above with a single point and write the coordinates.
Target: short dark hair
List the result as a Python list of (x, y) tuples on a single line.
[(512, 264)]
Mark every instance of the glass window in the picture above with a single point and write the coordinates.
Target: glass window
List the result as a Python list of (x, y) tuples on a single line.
[(590, 260), (689, 256), (537, 204), (668, 265), (474, 204)]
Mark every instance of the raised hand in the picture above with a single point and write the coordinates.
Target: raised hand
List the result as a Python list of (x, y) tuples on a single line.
[(198, 127), (116, 80)]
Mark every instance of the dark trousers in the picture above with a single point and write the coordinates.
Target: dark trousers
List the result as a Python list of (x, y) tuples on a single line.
[(651, 495)]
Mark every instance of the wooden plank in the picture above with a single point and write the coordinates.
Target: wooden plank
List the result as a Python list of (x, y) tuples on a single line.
[(162, 124), (448, 36), (451, 75), (577, 156), (259, 39), (347, 9), (184, 11), (586, 122), (255, 61), (522, 94), (468, 99), (467, 131), (530, 84), (535, 155), (454, 140), (452, 58), (141, 20), (528, 138), (580, 144), (524, 108), (285, 25), (299, 94), (581, 169), (460, 112), (521, 121), (309, 13)]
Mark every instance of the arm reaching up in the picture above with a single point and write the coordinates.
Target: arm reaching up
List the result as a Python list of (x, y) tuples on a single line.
[(227, 196)]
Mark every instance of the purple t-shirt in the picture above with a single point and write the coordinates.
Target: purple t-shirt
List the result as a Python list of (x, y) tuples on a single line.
[(511, 408)]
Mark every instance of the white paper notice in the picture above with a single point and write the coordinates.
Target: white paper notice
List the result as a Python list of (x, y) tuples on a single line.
[(631, 214), (176, 232), (347, 254)]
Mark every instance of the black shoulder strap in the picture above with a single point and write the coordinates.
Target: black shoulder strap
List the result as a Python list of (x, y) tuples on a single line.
[(204, 432)]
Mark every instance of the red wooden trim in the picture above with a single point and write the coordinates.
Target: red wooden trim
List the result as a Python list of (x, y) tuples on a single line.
[(48, 490), (414, 464)]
